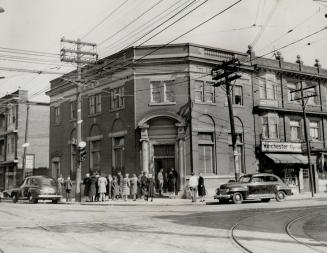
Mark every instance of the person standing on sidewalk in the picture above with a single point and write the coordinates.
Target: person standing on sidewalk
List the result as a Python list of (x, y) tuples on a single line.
[(86, 182), (171, 185), (68, 188), (144, 185), (125, 187), (120, 178), (151, 185), (160, 178), (109, 187), (134, 182), (201, 188), (193, 184), (115, 188), (102, 183), (92, 190), (60, 184)]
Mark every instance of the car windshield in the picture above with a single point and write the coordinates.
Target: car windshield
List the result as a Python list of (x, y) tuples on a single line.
[(245, 179), (46, 182)]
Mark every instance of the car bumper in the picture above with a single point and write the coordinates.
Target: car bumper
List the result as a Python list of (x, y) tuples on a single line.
[(223, 196), (45, 196)]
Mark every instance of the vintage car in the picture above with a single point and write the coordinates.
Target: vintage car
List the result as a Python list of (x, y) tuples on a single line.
[(261, 186), (36, 188)]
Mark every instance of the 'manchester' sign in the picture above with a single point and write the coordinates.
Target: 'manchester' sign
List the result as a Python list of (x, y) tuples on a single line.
[(287, 147)]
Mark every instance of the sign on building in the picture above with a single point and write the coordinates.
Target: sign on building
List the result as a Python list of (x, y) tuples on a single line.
[(29, 162), (281, 147)]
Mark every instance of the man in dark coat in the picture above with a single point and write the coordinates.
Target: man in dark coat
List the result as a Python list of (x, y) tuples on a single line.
[(86, 182), (120, 178), (151, 185), (201, 188), (144, 185), (176, 180)]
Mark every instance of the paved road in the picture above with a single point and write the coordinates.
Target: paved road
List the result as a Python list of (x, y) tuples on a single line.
[(258, 227)]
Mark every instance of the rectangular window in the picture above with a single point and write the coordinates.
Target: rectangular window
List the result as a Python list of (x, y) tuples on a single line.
[(162, 91), (95, 104), (117, 96), (73, 110), (204, 92), (295, 126), (314, 130), (91, 105), (98, 103), (11, 144), (238, 95), (268, 88), (293, 96), (119, 147), (57, 114), (313, 100), (270, 126), (2, 148), (95, 158), (206, 155)]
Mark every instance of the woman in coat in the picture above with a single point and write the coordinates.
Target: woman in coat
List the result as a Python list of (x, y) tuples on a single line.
[(115, 188), (102, 183), (171, 184), (201, 188), (109, 187), (92, 189), (134, 183), (125, 187), (151, 185)]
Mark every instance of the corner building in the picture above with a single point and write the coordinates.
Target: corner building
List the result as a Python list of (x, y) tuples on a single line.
[(155, 107)]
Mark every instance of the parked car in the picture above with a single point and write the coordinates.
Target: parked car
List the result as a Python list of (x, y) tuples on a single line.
[(261, 186), (36, 188)]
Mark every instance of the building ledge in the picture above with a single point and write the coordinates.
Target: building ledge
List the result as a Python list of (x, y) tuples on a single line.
[(269, 108)]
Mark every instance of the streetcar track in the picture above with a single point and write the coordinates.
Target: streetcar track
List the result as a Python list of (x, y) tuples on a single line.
[(287, 230)]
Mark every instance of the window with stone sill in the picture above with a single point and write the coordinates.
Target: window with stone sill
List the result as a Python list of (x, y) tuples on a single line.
[(95, 157), (314, 130), (268, 87), (162, 91), (237, 95), (206, 153), (293, 96), (117, 98), (95, 104), (204, 92), (270, 126), (295, 129)]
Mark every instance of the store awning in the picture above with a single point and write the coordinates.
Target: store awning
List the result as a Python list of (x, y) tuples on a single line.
[(289, 158)]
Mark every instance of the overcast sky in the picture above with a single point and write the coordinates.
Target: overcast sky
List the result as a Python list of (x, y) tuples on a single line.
[(38, 25)]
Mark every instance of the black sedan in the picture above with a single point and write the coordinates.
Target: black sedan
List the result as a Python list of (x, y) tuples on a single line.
[(261, 186), (36, 188)]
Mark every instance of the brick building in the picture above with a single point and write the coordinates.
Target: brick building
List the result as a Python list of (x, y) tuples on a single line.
[(155, 107), (22, 121)]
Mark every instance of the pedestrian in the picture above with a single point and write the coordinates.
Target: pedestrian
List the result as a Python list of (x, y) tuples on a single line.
[(120, 183), (134, 183), (109, 187), (171, 185), (160, 178), (102, 183), (201, 188), (92, 189), (151, 185), (60, 184), (97, 193), (144, 186), (125, 187), (193, 184), (86, 182), (115, 188), (68, 187), (176, 178)]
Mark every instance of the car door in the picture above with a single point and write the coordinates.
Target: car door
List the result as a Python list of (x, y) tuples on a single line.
[(256, 187), (271, 182)]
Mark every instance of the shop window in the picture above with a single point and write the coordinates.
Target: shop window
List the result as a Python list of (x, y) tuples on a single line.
[(204, 92), (206, 153), (238, 95), (117, 98), (270, 126), (314, 130), (162, 91), (295, 127)]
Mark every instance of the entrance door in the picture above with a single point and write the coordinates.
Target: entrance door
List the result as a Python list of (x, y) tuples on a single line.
[(164, 158)]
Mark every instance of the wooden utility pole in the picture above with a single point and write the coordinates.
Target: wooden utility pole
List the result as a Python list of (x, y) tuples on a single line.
[(80, 58), (225, 73), (304, 100)]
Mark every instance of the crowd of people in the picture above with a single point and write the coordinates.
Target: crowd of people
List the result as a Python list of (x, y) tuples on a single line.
[(102, 187)]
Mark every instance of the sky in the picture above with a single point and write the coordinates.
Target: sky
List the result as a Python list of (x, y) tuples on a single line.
[(38, 25)]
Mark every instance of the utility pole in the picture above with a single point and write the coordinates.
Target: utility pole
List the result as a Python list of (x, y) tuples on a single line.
[(224, 74), (80, 58), (304, 103)]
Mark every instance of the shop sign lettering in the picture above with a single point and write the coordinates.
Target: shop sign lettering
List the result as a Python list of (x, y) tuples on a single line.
[(287, 147)]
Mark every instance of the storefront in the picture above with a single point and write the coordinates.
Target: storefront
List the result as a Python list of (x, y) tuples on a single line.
[(287, 160)]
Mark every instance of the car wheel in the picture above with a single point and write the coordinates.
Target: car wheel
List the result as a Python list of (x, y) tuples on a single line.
[(237, 198), (14, 198), (265, 200), (31, 199), (280, 196)]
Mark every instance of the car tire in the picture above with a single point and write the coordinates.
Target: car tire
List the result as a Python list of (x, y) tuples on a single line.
[(31, 199), (280, 196), (237, 198), (14, 198), (265, 200)]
